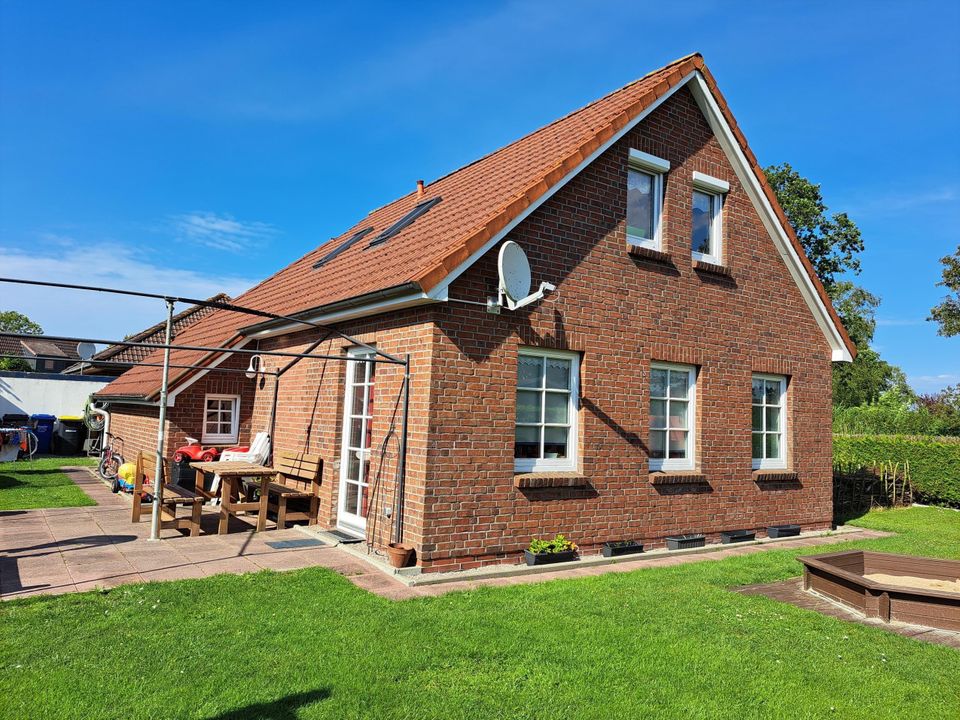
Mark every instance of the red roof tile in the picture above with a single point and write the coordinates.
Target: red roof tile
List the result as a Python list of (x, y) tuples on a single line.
[(479, 200)]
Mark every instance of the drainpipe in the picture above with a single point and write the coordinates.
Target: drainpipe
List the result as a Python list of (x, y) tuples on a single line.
[(161, 429)]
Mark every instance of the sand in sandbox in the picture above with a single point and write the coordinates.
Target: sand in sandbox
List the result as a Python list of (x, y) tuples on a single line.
[(916, 582)]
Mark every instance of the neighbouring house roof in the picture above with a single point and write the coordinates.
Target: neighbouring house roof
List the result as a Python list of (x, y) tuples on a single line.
[(478, 203), (153, 334), (40, 346)]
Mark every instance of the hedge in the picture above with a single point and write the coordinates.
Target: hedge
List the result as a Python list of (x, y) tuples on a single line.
[(934, 461)]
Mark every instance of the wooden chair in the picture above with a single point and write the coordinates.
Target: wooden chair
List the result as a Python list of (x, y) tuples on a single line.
[(173, 496), (297, 479)]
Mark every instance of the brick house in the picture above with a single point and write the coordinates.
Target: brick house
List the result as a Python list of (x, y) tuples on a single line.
[(678, 379)]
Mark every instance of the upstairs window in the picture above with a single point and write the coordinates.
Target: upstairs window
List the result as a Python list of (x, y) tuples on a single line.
[(768, 400), (672, 395), (645, 199), (546, 411), (221, 419), (706, 236)]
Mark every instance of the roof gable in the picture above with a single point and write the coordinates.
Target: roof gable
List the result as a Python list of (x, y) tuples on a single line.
[(482, 202)]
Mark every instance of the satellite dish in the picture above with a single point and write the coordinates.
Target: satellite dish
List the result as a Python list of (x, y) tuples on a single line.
[(86, 350), (515, 277), (514, 271)]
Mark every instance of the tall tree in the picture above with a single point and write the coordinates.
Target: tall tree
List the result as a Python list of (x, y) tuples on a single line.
[(947, 313), (833, 244), (13, 322)]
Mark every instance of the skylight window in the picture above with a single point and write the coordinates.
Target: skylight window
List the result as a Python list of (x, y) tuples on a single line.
[(357, 236), (403, 222)]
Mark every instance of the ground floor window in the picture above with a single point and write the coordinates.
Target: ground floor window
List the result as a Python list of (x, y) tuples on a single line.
[(546, 411), (221, 419), (672, 397), (769, 419)]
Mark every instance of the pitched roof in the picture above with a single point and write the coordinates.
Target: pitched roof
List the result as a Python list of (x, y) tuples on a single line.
[(153, 334), (19, 347), (478, 201)]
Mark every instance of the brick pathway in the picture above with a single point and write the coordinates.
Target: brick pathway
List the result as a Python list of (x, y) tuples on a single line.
[(791, 591)]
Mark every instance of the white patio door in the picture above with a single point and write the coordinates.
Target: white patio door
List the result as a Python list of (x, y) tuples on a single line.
[(355, 445)]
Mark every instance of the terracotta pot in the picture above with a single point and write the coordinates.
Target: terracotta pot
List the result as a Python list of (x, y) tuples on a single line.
[(400, 554)]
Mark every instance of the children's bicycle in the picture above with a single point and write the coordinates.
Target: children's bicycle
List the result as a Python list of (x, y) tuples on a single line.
[(110, 459)]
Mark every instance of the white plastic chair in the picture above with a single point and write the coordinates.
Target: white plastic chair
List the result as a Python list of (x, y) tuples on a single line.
[(258, 453)]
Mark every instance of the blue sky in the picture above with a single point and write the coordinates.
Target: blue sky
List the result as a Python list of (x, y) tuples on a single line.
[(202, 146)]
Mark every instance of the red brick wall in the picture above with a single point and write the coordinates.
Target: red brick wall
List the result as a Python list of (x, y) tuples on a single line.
[(621, 313)]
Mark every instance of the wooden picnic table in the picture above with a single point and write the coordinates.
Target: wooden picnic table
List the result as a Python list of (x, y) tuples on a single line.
[(230, 472)]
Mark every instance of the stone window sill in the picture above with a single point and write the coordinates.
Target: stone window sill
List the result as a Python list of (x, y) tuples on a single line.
[(712, 268), (549, 480), (687, 477)]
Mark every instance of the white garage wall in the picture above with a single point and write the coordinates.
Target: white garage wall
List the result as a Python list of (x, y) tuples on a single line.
[(30, 393)]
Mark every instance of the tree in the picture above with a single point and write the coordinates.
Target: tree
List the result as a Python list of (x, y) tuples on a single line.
[(947, 313), (13, 322), (832, 244)]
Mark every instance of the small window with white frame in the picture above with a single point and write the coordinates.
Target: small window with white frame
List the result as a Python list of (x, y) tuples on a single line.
[(645, 174), (221, 419), (706, 234), (768, 400), (672, 416), (546, 411)]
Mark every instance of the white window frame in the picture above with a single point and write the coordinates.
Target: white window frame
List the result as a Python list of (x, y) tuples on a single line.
[(689, 462), (221, 438), (717, 190), (569, 463), (779, 463), (657, 168)]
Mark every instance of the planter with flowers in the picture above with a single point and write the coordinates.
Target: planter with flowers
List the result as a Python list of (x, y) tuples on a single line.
[(544, 552)]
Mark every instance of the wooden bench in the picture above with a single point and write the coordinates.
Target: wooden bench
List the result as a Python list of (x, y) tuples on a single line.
[(297, 479), (174, 496)]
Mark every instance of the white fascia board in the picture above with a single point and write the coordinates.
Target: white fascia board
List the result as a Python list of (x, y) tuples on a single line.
[(172, 395), (440, 291), (721, 129), (360, 311), (710, 183)]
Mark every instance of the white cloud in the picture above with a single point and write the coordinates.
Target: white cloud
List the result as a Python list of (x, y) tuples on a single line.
[(932, 383), (100, 315), (221, 232)]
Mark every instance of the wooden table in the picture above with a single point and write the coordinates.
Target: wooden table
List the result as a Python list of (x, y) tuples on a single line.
[(230, 472)]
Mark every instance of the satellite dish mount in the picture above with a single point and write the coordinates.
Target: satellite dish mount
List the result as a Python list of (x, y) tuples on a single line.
[(514, 270)]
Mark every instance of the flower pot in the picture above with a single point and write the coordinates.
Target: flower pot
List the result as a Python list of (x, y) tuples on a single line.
[(400, 554), (735, 536), (682, 542), (779, 531), (627, 547), (549, 557)]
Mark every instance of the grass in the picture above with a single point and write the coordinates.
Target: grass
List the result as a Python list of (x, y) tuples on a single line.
[(25, 485), (663, 642)]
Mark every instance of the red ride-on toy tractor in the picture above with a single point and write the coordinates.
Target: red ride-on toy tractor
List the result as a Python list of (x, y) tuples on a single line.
[(195, 452)]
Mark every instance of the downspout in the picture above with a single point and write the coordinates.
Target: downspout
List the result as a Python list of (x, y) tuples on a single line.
[(161, 429)]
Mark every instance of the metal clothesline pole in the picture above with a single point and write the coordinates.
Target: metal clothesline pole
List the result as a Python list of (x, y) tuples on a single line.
[(128, 365), (203, 303), (161, 429), (200, 348)]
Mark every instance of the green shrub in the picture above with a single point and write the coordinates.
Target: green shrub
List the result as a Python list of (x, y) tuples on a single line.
[(883, 419), (934, 461)]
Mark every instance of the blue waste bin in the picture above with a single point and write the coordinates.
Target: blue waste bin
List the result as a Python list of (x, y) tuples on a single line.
[(43, 429)]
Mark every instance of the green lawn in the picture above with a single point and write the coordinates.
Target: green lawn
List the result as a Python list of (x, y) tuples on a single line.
[(667, 642), (25, 485)]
